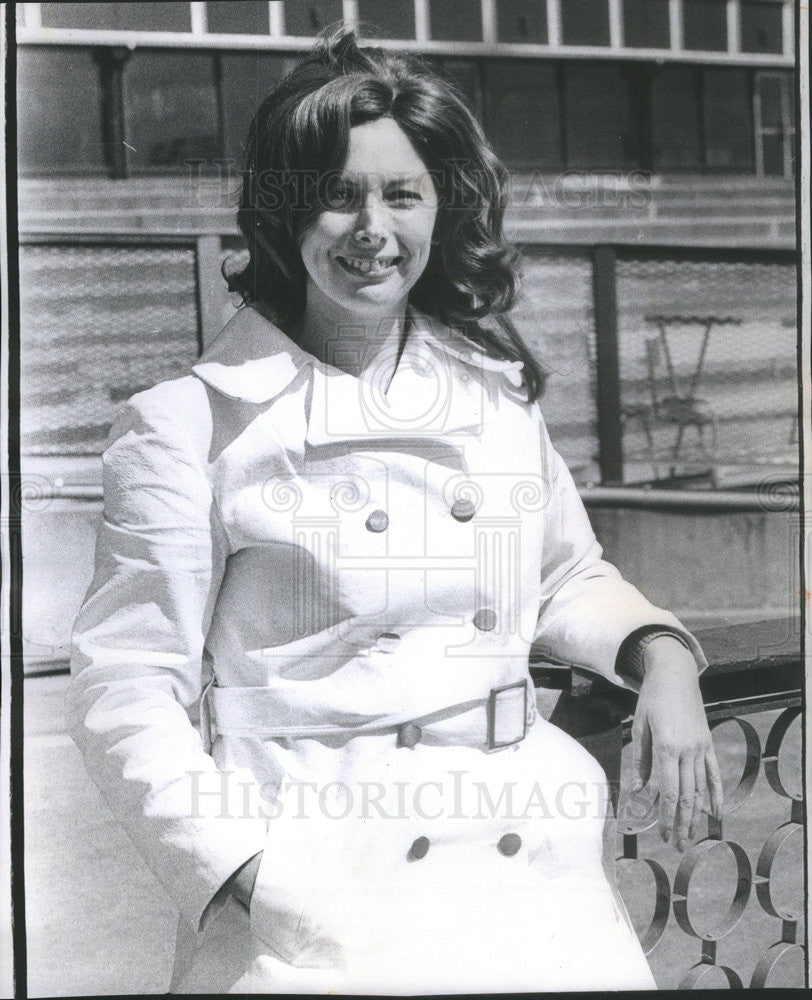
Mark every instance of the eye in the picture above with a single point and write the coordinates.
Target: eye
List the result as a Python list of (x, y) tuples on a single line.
[(341, 195), (403, 196)]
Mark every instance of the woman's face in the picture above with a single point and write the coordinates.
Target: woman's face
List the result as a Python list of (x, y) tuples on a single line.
[(367, 249)]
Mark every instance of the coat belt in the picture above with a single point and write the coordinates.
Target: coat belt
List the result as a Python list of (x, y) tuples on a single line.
[(488, 723)]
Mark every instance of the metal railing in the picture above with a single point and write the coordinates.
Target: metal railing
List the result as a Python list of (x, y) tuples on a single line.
[(704, 905), (728, 913)]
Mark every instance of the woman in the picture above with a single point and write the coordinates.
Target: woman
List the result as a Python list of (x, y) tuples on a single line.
[(332, 546)]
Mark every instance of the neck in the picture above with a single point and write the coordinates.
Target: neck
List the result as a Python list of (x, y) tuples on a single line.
[(353, 342)]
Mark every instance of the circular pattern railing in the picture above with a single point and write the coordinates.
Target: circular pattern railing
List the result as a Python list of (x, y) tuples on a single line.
[(718, 873)]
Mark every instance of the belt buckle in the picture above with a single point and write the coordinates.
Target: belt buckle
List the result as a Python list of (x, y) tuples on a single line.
[(507, 714)]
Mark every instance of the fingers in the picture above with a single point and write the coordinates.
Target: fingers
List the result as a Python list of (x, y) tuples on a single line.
[(686, 801), (683, 787), (714, 782), (681, 759), (700, 791), (685, 782), (641, 767), (668, 779)]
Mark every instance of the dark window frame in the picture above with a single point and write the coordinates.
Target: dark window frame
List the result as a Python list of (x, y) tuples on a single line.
[(688, 30), (704, 168), (208, 167), (181, 23), (263, 22), (577, 41), (630, 72), (751, 5), (104, 58), (666, 43), (501, 25), (485, 110), (112, 62), (750, 171)]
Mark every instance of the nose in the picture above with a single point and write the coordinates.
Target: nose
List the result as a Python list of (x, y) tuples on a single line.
[(370, 225)]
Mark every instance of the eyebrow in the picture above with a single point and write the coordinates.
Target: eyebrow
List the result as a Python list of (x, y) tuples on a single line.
[(387, 179)]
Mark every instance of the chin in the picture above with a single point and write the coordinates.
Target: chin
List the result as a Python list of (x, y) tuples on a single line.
[(375, 298)]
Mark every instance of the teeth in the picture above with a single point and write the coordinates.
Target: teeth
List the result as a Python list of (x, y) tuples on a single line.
[(368, 266)]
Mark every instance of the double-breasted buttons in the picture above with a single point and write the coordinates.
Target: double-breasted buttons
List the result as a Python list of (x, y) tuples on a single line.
[(388, 642), (485, 619), (509, 844), (419, 849), (463, 509), (409, 735), (377, 521)]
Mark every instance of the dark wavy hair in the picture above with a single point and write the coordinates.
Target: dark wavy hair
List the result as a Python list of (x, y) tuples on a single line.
[(298, 143)]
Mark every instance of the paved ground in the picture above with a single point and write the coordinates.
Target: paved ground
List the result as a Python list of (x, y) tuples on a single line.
[(97, 921), (99, 924)]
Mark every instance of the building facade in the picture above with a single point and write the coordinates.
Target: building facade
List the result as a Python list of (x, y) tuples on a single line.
[(662, 86), (650, 144)]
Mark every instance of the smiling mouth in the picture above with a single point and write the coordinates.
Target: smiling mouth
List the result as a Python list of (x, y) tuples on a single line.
[(366, 265)]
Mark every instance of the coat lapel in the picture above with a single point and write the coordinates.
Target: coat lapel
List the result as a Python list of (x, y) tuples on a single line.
[(251, 359), (438, 390)]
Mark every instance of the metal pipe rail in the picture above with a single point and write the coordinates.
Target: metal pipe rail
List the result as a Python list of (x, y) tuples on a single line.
[(775, 497)]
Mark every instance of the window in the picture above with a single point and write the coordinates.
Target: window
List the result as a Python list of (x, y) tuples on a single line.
[(761, 26), (239, 17), (705, 25), (645, 24), (675, 119), (728, 119), (465, 74), (170, 107), (602, 128), (771, 133), (524, 133), (308, 18), (58, 111), (247, 78), (451, 20), (118, 16), (775, 123), (521, 21), (585, 22), (393, 19)]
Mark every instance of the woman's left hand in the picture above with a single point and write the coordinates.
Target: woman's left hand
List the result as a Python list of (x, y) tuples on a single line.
[(672, 741)]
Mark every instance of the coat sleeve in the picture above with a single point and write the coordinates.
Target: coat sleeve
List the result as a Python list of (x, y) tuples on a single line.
[(587, 609), (137, 655)]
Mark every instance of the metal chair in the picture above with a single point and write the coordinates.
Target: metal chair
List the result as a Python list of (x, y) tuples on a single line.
[(681, 407)]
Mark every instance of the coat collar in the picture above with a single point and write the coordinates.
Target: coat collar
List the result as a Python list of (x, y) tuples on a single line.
[(251, 359), (437, 389)]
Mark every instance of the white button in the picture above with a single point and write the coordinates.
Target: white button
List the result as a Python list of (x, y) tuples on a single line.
[(377, 521), (485, 619), (388, 642)]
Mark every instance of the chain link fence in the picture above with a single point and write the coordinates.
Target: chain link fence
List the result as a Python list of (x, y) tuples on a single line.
[(708, 367), (555, 317), (98, 323), (706, 343), (707, 355)]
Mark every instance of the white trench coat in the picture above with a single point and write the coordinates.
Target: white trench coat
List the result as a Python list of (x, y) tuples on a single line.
[(308, 635)]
